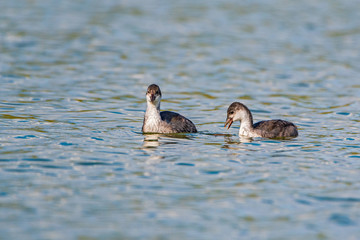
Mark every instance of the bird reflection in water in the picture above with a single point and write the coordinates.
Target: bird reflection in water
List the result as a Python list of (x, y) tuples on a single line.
[(151, 141)]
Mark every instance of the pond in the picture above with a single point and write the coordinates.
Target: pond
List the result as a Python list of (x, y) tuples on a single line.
[(74, 163)]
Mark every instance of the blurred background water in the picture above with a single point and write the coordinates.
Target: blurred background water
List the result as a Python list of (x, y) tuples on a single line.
[(75, 165)]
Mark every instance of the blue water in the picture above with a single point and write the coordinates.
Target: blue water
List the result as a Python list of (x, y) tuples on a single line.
[(75, 165)]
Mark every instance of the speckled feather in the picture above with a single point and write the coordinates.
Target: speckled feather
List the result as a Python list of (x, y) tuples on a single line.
[(275, 129), (269, 129), (170, 122), (178, 122), (166, 121)]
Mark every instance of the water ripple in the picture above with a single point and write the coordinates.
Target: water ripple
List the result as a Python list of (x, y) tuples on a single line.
[(336, 199), (74, 163)]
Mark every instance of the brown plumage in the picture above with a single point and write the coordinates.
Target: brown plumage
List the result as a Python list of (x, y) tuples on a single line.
[(163, 122), (269, 129)]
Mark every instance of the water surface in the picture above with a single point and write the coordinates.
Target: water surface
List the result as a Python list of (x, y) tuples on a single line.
[(75, 165)]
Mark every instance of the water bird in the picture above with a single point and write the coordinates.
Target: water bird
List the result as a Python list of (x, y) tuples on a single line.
[(269, 129), (166, 121)]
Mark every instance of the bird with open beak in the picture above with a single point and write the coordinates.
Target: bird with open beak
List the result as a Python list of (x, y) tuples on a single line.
[(276, 128)]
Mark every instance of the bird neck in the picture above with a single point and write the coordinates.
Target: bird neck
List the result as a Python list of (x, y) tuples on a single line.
[(152, 110), (246, 123)]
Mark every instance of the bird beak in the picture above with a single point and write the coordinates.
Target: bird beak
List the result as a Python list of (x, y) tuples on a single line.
[(229, 121), (152, 97)]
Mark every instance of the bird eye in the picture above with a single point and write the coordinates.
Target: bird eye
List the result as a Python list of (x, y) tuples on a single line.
[(157, 92), (231, 112)]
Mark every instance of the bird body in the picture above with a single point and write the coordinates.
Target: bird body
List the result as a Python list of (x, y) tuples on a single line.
[(269, 129), (166, 121)]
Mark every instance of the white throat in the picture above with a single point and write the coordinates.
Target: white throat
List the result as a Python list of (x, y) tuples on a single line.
[(152, 118), (153, 108), (246, 127)]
